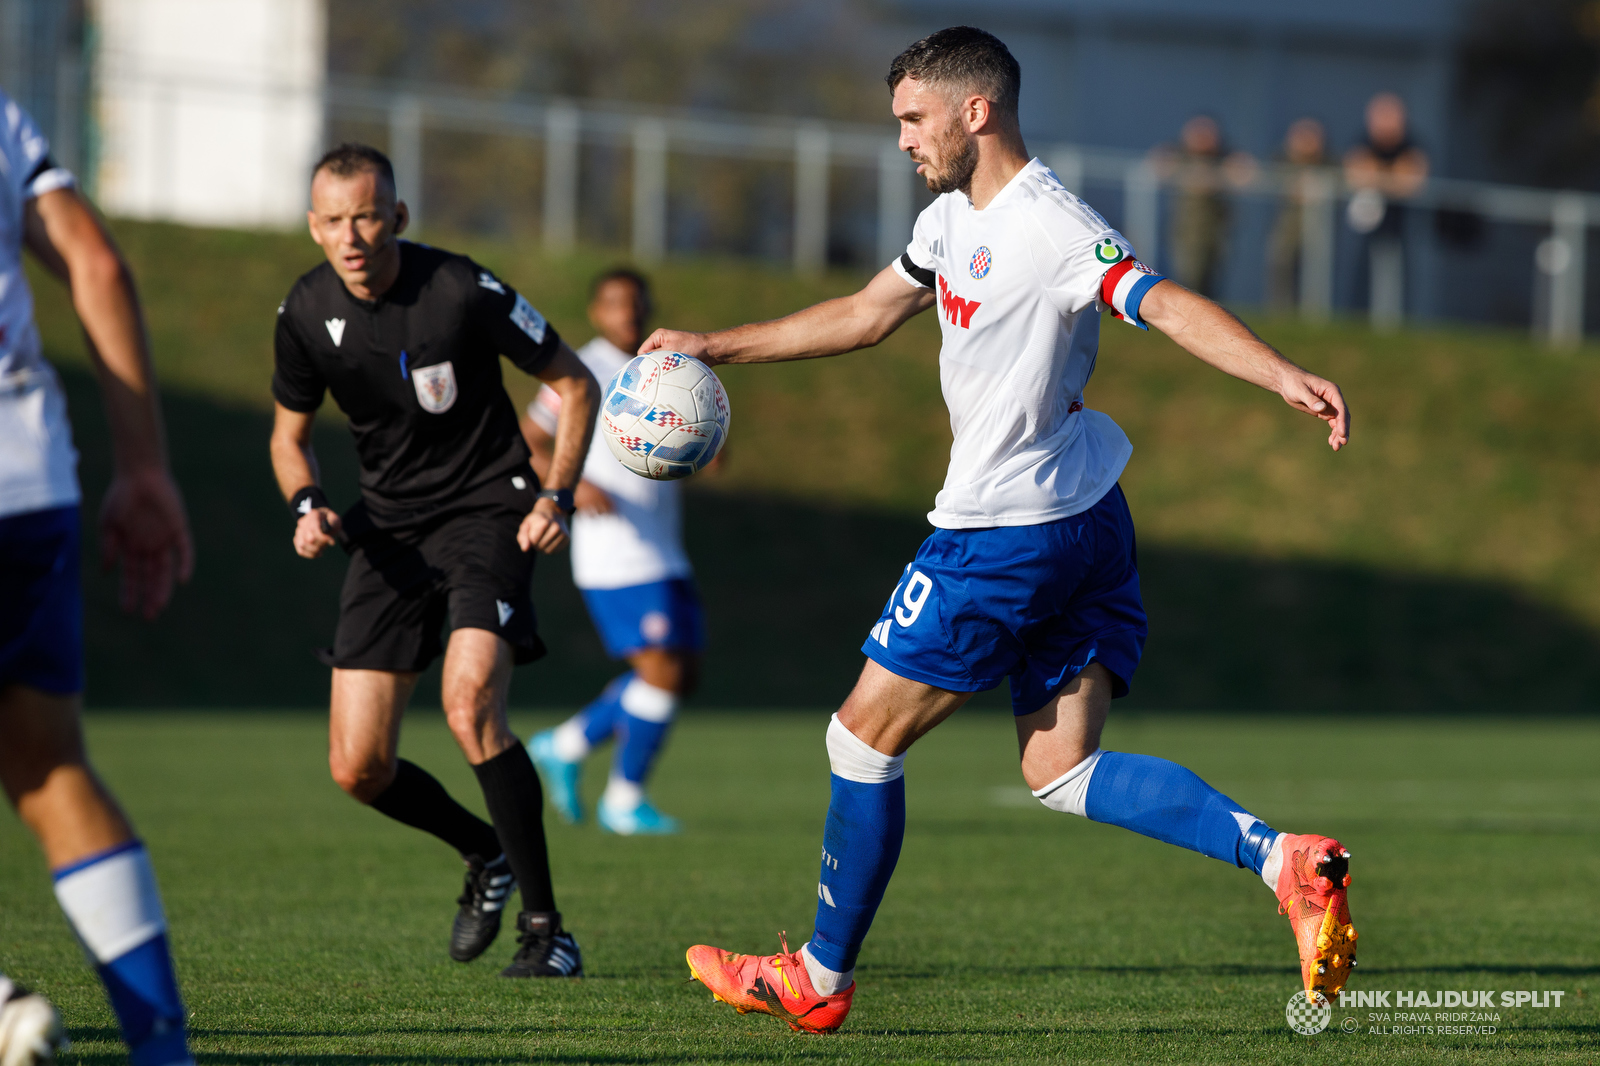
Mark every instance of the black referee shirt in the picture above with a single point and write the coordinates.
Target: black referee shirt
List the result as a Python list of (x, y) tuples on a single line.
[(417, 372)]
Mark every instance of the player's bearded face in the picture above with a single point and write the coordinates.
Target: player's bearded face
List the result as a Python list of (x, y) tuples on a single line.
[(952, 160)]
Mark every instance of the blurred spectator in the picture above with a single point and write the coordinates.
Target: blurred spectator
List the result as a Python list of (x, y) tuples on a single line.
[(1200, 170), (1384, 168), (1305, 147)]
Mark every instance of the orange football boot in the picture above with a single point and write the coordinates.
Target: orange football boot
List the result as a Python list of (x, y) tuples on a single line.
[(769, 984), (1312, 892)]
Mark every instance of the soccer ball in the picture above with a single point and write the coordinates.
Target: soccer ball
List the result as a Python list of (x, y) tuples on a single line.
[(664, 415)]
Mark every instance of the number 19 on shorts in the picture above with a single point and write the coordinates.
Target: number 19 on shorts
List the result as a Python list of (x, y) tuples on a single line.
[(910, 596)]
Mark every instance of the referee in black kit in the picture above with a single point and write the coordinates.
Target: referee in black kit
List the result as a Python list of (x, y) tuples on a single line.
[(408, 339)]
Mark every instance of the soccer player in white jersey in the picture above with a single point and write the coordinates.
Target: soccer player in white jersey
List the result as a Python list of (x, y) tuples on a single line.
[(629, 563), (103, 878), (1031, 572)]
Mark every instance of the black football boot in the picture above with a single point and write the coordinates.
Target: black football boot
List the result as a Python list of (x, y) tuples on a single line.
[(545, 950), (483, 901)]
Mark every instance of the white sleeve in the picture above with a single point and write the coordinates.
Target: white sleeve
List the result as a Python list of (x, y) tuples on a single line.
[(545, 408), (1082, 267), (918, 266), (31, 171)]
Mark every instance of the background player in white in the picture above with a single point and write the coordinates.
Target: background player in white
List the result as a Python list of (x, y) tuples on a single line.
[(1031, 572), (103, 877), (628, 561)]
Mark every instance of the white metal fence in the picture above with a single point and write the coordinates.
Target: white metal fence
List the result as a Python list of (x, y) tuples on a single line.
[(813, 148)]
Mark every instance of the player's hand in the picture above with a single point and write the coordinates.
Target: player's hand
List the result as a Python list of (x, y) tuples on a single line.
[(144, 528), (592, 498), (315, 531), (545, 528), (1320, 397), (695, 345)]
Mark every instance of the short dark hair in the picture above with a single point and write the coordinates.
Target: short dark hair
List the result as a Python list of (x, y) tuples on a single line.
[(622, 273), (962, 57), (351, 158)]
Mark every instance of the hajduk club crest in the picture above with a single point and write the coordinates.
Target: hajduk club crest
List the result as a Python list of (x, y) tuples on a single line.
[(436, 387)]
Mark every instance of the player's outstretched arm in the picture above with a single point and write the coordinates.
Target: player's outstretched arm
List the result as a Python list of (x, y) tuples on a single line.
[(294, 464), (545, 528), (832, 327), (1212, 334), (143, 524)]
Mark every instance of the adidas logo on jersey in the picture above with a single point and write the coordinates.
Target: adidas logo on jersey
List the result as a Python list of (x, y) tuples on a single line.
[(957, 310)]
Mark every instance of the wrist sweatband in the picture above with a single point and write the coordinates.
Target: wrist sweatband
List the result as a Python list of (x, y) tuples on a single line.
[(307, 500)]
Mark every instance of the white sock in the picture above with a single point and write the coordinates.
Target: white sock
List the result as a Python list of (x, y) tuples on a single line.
[(622, 794), (824, 980), (1274, 864), (112, 903), (647, 703), (855, 760), (570, 743), (1069, 793)]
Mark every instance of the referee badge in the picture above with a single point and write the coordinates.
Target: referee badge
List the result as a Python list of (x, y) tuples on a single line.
[(436, 387)]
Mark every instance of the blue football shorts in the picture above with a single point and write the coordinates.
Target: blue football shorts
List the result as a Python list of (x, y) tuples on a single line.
[(41, 601), (1035, 604), (661, 614)]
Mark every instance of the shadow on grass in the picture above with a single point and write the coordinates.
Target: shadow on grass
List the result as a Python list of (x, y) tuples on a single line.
[(791, 590)]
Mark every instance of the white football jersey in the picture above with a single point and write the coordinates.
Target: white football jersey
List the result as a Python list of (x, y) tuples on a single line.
[(641, 541), (38, 465), (1020, 287)]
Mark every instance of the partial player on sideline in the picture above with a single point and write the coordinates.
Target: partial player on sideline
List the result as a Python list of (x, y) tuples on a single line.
[(408, 340), (629, 563), (103, 878), (1030, 574)]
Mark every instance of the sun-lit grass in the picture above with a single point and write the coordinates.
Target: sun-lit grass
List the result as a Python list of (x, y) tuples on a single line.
[(308, 929)]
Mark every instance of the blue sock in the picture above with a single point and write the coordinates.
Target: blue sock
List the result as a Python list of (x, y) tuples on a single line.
[(647, 713), (604, 714), (114, 906), (641, 741), (144, 994), (1164, 800), (860, 846)]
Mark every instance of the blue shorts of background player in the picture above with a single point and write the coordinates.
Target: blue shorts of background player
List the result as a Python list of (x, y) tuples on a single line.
[(1032, 604), (41, 610), (661, 614), (656, 626)]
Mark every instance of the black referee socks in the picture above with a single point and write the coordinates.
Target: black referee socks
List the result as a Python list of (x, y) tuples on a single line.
[(416, 798), (516, 803)]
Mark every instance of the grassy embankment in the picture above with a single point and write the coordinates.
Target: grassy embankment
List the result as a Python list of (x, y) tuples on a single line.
[(1448, 558)]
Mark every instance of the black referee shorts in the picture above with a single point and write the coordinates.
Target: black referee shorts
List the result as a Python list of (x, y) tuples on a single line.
[(458, 566)]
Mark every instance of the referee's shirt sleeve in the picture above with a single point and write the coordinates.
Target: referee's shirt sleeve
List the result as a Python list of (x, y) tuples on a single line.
[(512, 325), (296, 381)]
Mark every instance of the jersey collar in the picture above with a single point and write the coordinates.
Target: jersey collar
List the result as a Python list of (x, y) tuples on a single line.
[(1029, 169)]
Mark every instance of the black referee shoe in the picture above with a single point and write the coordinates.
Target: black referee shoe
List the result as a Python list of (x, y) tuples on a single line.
[(546, 950), (483, 901)]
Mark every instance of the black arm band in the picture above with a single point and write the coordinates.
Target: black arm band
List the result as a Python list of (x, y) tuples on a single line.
[(924, 276), (307, 500), (562, 497)]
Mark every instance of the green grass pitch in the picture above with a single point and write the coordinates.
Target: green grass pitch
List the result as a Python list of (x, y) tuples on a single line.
[(310, 930)]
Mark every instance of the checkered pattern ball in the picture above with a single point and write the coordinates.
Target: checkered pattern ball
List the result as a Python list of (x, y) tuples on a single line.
[(664, 415)]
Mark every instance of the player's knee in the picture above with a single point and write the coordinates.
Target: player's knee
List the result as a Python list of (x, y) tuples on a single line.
[(854, 759), (1069, 793), (362, 778), (467, 706)]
